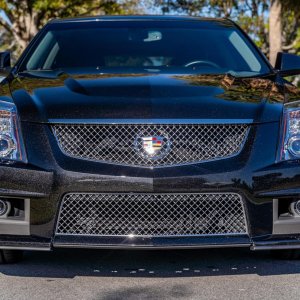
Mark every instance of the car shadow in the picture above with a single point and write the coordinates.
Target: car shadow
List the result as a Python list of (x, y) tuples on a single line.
[(69, 263)]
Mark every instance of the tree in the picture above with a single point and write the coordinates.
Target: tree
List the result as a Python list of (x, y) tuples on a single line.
[(275, 30), (6, 42), (272, 24), (26, 17), (284, 21)]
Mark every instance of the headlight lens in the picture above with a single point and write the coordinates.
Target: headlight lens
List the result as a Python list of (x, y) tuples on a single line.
[(11, 142)]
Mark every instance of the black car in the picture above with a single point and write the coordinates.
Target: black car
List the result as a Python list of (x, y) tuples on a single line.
[(148, 132)]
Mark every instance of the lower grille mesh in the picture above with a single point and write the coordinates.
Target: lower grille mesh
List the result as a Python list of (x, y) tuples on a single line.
[(151, 214)]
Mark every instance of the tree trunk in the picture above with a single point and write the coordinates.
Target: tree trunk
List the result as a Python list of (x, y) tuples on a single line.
[(24, 29), (275, 31)]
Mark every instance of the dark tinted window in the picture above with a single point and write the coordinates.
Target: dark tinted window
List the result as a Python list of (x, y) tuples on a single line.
[(215, 49)]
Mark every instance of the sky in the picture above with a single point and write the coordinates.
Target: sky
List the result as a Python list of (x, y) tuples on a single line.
[(3, 16)]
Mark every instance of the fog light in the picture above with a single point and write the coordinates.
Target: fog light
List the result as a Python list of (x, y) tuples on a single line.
[(7, 145), (4, 207), (295, 208)]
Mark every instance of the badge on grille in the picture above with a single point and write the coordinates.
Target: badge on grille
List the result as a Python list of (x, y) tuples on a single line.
[(152, 147)]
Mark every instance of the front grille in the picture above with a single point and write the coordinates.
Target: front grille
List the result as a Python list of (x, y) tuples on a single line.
[(121, 143), (151, 215)]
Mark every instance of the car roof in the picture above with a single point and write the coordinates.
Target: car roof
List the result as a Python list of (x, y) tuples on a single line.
[(129, 18)]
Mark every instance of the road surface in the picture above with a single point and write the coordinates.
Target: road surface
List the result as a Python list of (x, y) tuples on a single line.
[(185, 274)]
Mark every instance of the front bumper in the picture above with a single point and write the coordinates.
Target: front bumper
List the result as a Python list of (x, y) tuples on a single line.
[(50, 175)]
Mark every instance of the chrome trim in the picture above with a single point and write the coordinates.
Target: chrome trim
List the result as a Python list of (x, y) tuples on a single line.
[(25, 248), (141, 247), (158, 236), (273, 247), (150, 121)]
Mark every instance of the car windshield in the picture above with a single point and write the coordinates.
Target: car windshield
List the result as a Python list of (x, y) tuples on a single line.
[(126, 47)]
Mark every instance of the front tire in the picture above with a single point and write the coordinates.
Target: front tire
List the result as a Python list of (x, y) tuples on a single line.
[(290, 254), (10, 256)]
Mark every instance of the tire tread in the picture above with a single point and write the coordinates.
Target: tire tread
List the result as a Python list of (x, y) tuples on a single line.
[(10, 256), (290, 254)]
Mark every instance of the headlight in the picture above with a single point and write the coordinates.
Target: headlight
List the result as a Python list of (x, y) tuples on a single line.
[(11, 142)]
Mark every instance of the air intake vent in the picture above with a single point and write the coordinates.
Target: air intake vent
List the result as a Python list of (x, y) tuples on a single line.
[(151, 215)]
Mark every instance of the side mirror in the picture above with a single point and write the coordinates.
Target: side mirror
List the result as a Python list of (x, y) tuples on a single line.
[(5, 65), (287, 64)]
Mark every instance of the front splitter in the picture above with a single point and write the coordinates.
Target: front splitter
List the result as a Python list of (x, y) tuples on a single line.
[(100, 242)]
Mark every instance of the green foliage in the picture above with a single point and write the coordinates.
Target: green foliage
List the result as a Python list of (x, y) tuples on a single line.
[(47, 9), (27, 16), (251, 15), (191, 7)]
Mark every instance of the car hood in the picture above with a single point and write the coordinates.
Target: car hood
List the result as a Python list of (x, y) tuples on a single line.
[(57, 97)]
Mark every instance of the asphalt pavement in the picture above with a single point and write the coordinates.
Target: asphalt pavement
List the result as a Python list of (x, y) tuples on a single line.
[(173, 274)]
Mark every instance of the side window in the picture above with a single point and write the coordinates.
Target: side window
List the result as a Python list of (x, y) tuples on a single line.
[(245, 52), (41, 53), (50, 61)]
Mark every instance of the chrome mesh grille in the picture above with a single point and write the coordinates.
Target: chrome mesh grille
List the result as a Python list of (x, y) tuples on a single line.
[(115, 143), (151, 214)]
